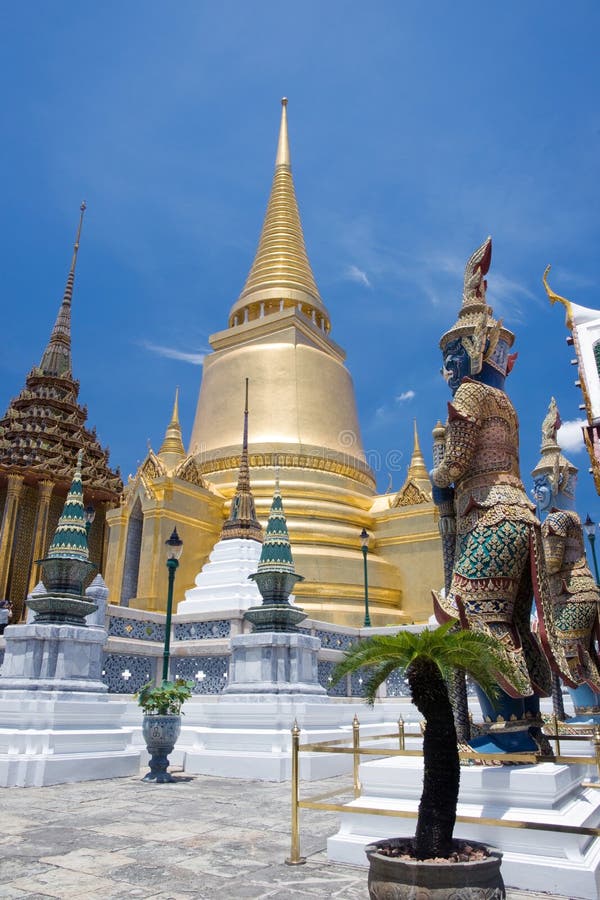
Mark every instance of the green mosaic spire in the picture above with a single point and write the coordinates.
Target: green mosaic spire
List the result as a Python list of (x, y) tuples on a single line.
[(276, 555), (70, 537)]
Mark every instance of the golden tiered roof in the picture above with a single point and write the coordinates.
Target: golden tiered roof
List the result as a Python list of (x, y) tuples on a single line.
[(281, 275)]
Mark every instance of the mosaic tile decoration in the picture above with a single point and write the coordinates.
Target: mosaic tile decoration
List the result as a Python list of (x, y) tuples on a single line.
[(334, 640), (202, 631), (126, 674), (136, 628), (357, 680), (209, 673), (397, 685), (325, 669)]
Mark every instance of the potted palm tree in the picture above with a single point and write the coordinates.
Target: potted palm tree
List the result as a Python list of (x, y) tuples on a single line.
[(399, 865), (161, 724)]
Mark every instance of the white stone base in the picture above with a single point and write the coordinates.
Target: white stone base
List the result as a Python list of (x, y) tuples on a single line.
[(223, 583), (545, 861), (250, 737), (53, 737), (275, 663)]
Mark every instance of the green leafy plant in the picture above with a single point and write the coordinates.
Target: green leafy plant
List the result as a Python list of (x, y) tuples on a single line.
[(428, 659), (165, 699)]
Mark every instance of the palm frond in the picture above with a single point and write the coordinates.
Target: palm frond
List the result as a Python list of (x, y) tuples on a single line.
[(376, 678), (476, 653)]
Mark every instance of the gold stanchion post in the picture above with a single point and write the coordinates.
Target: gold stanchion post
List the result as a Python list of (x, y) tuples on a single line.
[(597, 748), (294, 859), (355, 753), (401, 735), (556, 737)]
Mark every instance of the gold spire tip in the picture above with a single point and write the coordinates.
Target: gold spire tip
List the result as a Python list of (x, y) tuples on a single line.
[(283, 145), (175, 413)]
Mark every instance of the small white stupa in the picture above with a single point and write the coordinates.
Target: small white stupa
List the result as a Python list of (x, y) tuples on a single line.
[(223, 582)]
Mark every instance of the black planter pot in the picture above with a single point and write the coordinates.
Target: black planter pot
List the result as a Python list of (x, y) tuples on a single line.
[(392, 878), (160, 734)]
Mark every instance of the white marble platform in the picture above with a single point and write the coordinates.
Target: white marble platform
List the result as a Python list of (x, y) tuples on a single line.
[(549, 794), (251, 738), (52, 737)]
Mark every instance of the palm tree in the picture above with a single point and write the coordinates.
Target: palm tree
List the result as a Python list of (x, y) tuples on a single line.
[(429, 658)]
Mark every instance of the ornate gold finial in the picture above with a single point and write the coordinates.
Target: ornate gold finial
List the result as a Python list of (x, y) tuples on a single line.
[(281, 275), (417, 468), (556, 298), (172, 450), (283, 157)]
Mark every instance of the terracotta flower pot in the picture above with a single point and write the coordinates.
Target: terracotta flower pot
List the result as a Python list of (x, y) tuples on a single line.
[(393, 878), (160, 734)]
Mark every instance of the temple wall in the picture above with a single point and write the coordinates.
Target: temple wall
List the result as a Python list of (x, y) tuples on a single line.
[(408, 537), (200, 651), (198, 515)]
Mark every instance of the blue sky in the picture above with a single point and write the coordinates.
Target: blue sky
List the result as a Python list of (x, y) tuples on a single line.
[(416, 130)]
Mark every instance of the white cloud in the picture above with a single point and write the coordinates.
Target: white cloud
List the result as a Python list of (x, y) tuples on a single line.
[(353, 273), (196, 359), (569, 436), (405, 395)]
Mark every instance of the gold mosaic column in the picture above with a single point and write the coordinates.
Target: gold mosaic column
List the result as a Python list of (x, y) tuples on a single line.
[(41, 530), (7, 529)]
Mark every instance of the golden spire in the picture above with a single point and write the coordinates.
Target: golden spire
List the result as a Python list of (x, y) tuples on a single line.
[(281, 275), (242, 521), (283, 157), (56, 359), (417, 469), (172, 449)]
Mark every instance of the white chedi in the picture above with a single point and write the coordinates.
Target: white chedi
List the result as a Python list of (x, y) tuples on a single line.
[(223, 582)]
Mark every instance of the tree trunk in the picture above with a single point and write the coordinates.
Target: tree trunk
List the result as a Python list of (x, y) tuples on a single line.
[(441, 769), (557, 698), (457, 689)]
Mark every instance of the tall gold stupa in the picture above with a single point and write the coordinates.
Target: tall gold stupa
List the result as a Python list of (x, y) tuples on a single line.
[(303, 420)]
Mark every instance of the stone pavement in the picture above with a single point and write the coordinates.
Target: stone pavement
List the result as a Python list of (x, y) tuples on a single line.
[(201, 837)]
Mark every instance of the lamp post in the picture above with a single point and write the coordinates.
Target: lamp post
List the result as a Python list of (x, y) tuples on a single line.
[(364, 543), (589, 526), (174, 547)]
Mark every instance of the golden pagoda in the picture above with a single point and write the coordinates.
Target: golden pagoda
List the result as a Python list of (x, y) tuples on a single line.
[(41, 433), (304, 421)]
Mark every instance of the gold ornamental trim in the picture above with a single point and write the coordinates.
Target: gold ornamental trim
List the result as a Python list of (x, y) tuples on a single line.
[(408, 539), (284, 460)]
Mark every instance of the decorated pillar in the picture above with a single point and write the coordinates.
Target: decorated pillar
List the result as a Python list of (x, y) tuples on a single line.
[(40, 535), (7, 529)]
